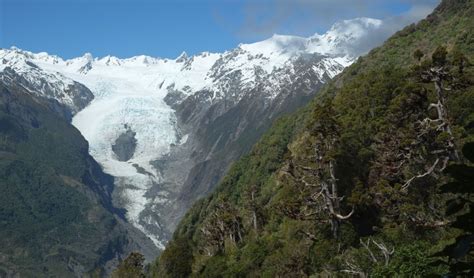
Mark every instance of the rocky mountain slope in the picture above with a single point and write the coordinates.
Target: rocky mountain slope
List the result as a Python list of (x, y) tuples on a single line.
[(348, 186), (56, 214), (167, 130), (18, 70)]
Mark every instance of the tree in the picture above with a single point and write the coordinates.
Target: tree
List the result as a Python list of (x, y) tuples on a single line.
[(131, 267), (437, 73), (252, 204), (315, 174), (460, 254), (176, 260), (439, 56), (418, 54), (459, 60), (326, 130), (224, 224)]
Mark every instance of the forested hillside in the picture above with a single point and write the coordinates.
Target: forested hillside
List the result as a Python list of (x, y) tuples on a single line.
[(56, 215), (350, 185)]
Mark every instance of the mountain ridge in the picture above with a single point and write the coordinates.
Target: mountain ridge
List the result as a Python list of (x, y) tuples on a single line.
[(206, 109), (269, 216), (57, 217)]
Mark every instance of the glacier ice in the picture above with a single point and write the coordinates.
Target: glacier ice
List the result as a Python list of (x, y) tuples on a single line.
[(131, 92)]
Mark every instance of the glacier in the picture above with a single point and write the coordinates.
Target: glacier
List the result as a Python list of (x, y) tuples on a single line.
[(131, 94)]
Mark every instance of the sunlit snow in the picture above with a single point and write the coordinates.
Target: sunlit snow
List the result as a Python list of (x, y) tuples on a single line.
[(131, 92)]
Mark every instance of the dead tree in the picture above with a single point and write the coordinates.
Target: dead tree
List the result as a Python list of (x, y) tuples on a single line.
[(353, 269), (251, 194), (438, 75), (387, 254), (327, 135), (379, 255), (332, 200), (396, 150), (315, 173), (224, 223)]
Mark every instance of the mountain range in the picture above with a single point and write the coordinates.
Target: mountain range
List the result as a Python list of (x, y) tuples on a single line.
[(372, 178), (168, 129), (331, 155)]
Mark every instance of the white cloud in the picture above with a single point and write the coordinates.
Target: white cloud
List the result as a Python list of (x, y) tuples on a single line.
[(393, 24), (263, 18)]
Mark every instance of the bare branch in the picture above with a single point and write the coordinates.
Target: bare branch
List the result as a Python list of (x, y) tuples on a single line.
[(366, 245), (429, 172), (353, 269), (385, 252), (342, 217)]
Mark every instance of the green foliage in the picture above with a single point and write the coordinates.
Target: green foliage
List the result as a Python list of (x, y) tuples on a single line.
[(439, 57), (460, 253), (459, 60), (418, 54), (371, 114), (410, 260), (52, 215), (131, 267), (176, 259)]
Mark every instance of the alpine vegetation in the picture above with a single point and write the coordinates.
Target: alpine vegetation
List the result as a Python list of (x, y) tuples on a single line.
[(347, 153)]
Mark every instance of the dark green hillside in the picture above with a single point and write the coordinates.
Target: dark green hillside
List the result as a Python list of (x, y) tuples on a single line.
[(53, 196), (350, 184)]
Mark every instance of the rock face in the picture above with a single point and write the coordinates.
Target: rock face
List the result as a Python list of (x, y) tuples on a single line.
[(276, 214), (57, 216), (219, 132), (186, 120), (19, 70), (125, 145)]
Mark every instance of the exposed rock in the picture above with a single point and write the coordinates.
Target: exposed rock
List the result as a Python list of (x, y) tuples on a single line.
[(125, 145)]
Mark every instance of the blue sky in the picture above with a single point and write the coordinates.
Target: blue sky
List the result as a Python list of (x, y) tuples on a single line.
[(126, 28)]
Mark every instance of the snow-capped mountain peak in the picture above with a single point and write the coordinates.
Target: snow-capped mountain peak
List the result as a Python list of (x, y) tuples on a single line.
[(342, 43), (276, 45), (88, 57), (140, 97), (22, 68), (347, 37), (183, 57)]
